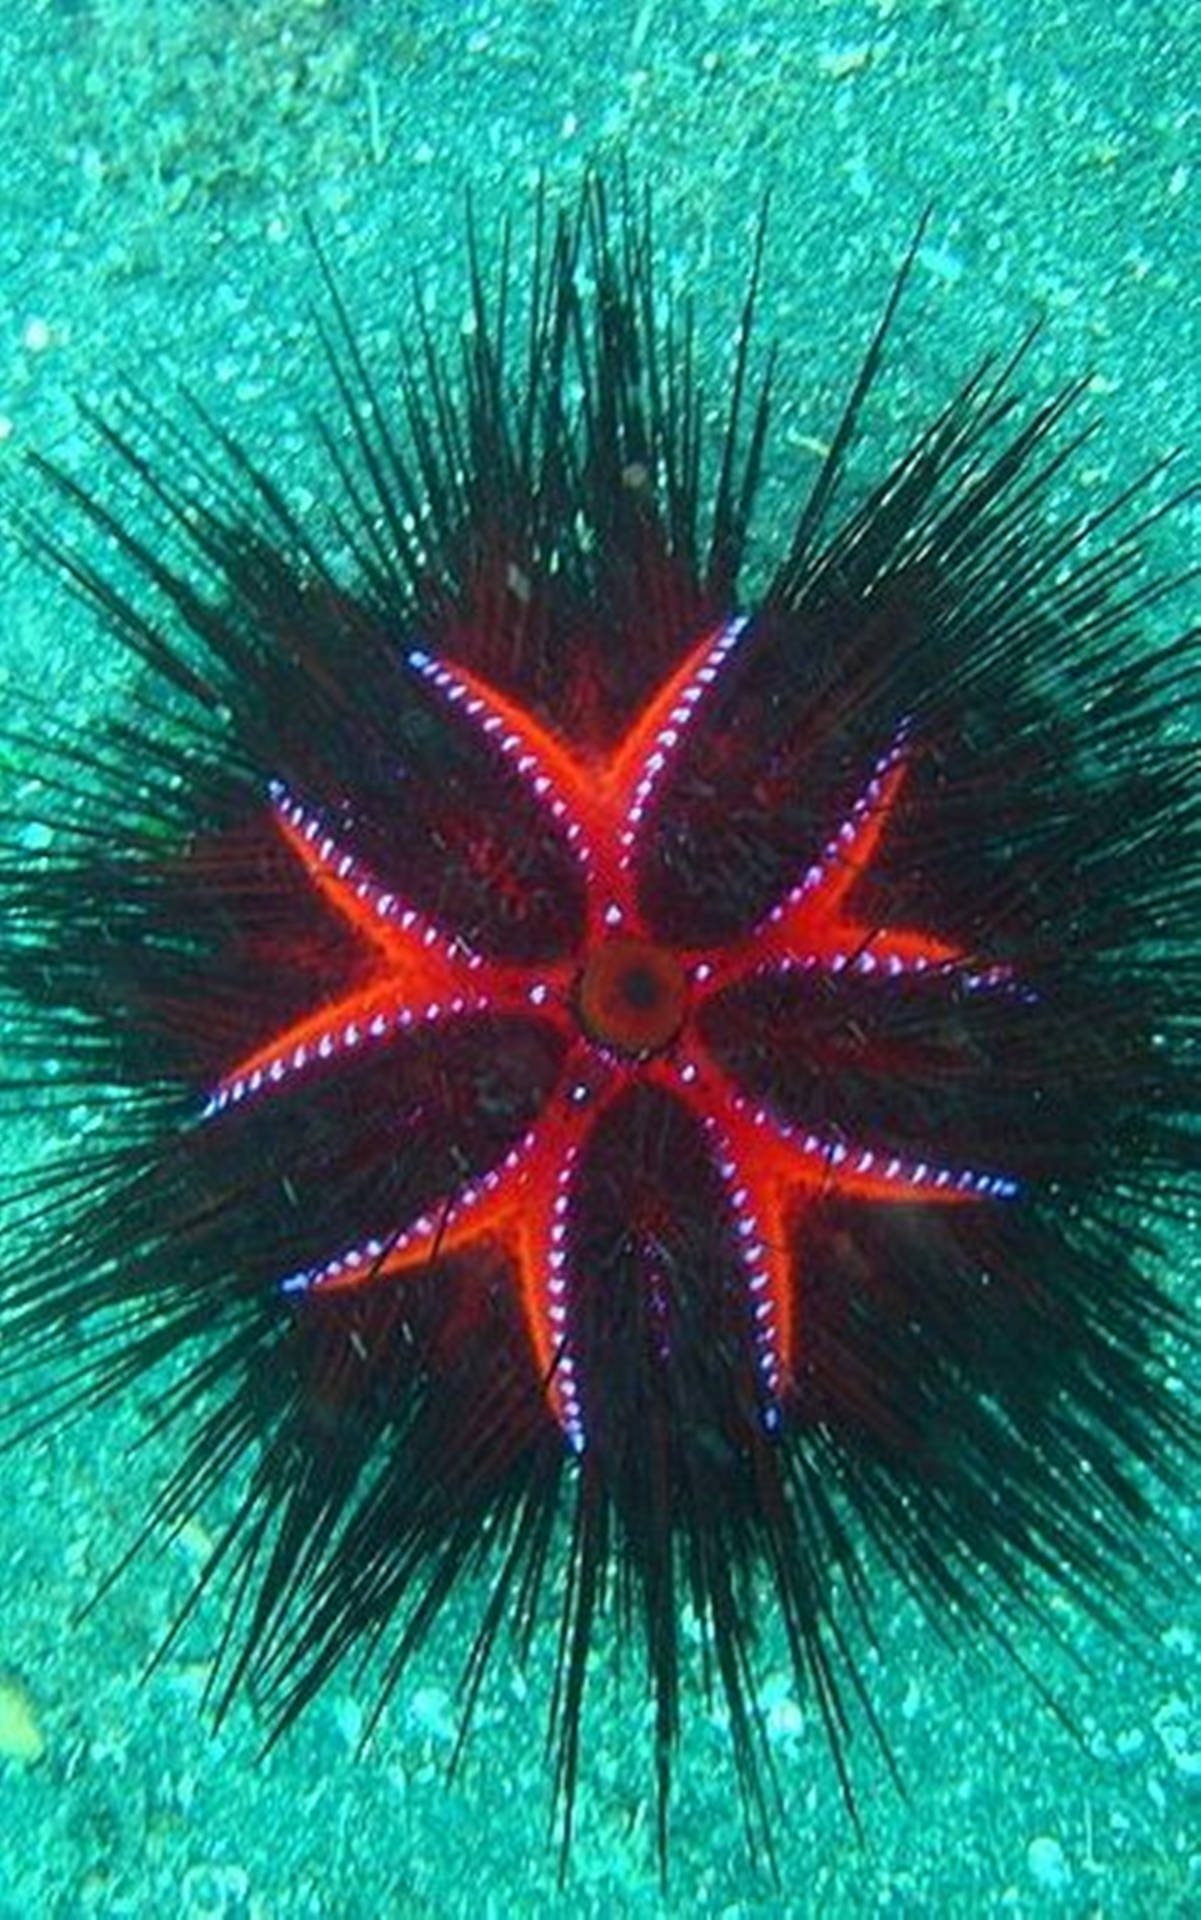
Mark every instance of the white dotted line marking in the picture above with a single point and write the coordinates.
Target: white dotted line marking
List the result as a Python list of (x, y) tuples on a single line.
[(511, 742), (430, 1223), (669, 737), (752, 1255), (837, 847)]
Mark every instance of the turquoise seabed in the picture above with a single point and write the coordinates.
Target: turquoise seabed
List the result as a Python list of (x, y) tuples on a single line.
[(154, 167)]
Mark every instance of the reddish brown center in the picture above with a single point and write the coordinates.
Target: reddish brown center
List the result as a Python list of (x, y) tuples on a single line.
[(632, 996)]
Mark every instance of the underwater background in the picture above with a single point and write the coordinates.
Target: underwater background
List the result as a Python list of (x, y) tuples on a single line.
[(157, 162)]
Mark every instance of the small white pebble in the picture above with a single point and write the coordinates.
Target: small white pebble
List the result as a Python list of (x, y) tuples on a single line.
[(348, 1718), (781, 1714), (21, 1739), (430, 1709), (35, 335), (785, 1721), (1047, 1863)]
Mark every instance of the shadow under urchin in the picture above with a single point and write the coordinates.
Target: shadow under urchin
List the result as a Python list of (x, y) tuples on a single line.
[(617, 1102)]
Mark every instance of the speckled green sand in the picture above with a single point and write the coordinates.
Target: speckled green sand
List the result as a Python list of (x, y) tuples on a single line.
[(155, 160)]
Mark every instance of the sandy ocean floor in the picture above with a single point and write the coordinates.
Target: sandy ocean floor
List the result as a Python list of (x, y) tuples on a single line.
[(156, 162)]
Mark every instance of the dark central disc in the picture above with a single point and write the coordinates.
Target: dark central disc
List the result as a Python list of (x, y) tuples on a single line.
[(632, 996)]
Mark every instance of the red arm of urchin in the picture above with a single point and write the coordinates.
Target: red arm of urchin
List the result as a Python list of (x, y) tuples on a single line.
[(421, 978), (520, 1206), (419, 975), (813, 926), (600, 801), (772, 1169)]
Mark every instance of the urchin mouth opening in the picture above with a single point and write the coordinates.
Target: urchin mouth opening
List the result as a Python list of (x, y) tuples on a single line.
[(632, 996)]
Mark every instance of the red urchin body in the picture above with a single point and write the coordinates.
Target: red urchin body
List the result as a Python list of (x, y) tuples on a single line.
[(629, 1014), (590, 1050)]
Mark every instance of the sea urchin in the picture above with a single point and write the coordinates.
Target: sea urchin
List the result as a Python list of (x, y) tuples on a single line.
[(645, 1099)]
